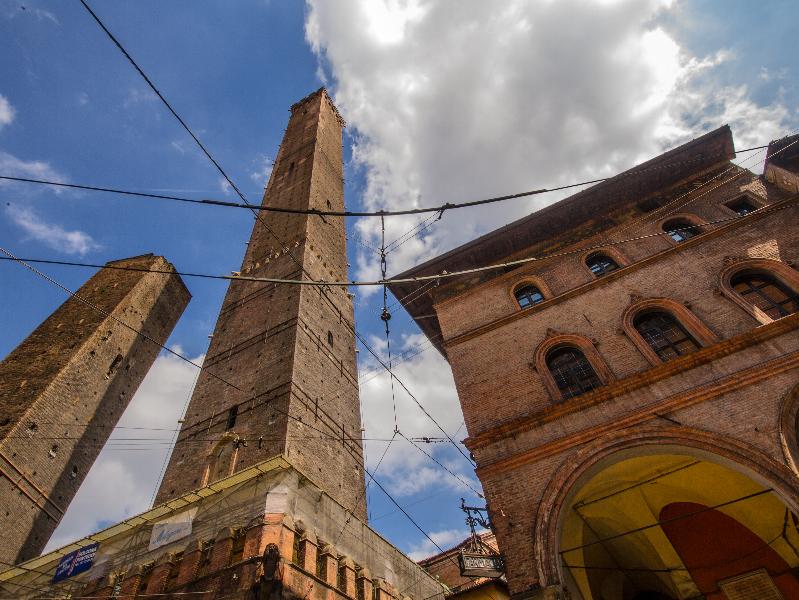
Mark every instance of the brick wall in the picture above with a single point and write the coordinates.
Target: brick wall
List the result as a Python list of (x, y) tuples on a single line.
[(64, 388), (732, 390), (279, 350)]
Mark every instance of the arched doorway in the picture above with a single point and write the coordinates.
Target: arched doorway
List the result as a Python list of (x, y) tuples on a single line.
[(676, 526)]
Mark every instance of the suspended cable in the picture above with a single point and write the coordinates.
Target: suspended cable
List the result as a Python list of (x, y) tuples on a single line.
[(312, 211), (784, 204), (447, 469), (385, 316)]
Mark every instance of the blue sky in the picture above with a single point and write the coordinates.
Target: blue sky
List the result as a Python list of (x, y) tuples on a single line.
[(445, 101)]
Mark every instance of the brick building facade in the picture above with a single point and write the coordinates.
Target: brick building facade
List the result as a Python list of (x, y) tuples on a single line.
[(63, 389), (631, 390)]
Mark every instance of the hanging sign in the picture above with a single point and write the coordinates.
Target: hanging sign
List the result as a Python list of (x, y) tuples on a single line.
[(171, 529), (480, 565), (75, 562)]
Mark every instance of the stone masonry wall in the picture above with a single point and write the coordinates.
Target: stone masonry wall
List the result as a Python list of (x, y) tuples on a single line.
[(64, 388)]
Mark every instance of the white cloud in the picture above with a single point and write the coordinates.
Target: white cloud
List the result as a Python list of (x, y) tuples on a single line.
[(33, 169), (121, 482), (7, 111), (51, 234), (455, 100), (405, 470), (83, 99), (178, 147), (445, 538), (138, 96), (262, 169), (224, 185)]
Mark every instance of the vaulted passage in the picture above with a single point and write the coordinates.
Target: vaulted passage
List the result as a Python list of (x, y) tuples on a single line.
[(675, 527)]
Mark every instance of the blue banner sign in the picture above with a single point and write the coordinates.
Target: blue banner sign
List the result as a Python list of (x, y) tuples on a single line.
[(75, 562)]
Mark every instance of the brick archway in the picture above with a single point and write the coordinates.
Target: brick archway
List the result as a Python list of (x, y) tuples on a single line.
[(586, 461), (789, 428)]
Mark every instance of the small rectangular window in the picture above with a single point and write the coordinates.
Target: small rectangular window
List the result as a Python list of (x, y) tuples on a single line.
[(113, 366), (743, 206), (231, 417)]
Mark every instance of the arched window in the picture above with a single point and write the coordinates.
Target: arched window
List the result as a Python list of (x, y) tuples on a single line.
[(601, 264), (221, 461), (680, 230), (665, 335), (527, 295), (766, 293), (572, 372)]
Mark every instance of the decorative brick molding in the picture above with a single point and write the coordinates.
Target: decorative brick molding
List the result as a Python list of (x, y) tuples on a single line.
[(156, 583), (779, 270), (528, 279), (688, 218), (649, 377), (698, 330), (212, 457), (789, 428), (556, 340), (610, 251), (579, 466)]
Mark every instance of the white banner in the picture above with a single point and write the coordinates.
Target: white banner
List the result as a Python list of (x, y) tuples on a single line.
[(173, 528)]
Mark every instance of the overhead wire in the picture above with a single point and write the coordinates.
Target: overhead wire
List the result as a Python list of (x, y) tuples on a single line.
[(256, 214), (419, 278), (312, 211)]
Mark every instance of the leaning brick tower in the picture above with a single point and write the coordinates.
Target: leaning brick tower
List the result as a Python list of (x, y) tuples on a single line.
[(280, 373), (63, 389)]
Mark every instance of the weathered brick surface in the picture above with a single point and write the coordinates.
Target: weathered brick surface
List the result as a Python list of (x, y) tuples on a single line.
[(733, 391), (279, 350), (64, 388)]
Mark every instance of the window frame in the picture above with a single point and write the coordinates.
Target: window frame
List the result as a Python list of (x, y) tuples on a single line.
[(757, 204), (693, 221), (534, 281), (523, 285), (777, 269), (612, 253), (697, 329), (584, 345)]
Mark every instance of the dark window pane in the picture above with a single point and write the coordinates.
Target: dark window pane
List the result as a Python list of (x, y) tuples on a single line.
[(601, 264), (527, 295), (665, 335), (680, 230), (766, 293), (742, 206), (572, 372)]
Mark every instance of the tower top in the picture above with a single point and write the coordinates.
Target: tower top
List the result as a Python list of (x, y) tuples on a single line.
[(322, 91)]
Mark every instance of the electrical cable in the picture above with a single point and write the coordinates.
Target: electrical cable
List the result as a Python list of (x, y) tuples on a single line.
[(148, 338), (435, 460), (311, 211), (385, 316), (662, 522), (419, 278)]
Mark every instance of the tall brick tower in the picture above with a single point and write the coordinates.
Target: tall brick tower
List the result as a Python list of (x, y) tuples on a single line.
[(63, 389), (280, 374)]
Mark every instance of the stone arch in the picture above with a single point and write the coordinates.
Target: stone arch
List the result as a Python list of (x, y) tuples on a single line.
[(775, 268), (584, 345), (789, 428), (221, 460), (684, 316), (614, 446)]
